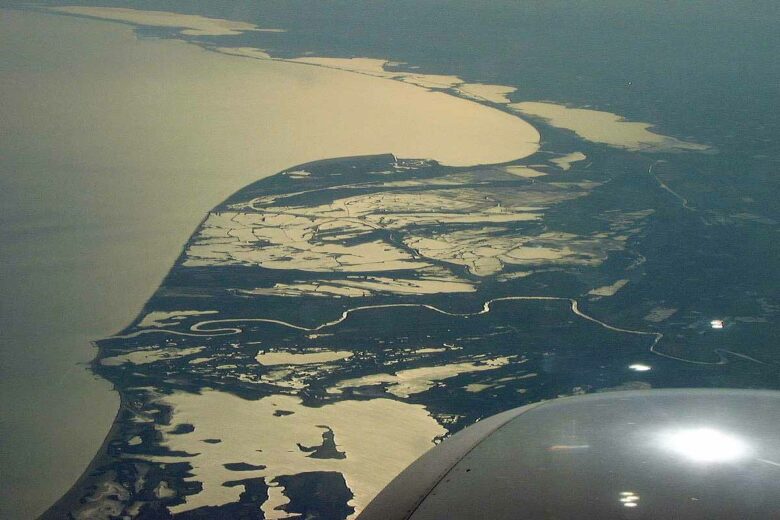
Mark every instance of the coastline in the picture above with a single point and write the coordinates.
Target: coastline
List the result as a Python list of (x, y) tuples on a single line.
[(125, 133), (70, 499), (171, 212)]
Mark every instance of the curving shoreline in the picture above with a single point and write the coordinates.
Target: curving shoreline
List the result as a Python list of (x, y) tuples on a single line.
[(489, 99), (69, 500), (158, 190)]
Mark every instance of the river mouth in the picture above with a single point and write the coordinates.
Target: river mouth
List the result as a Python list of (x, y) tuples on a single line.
[(114, 149)]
